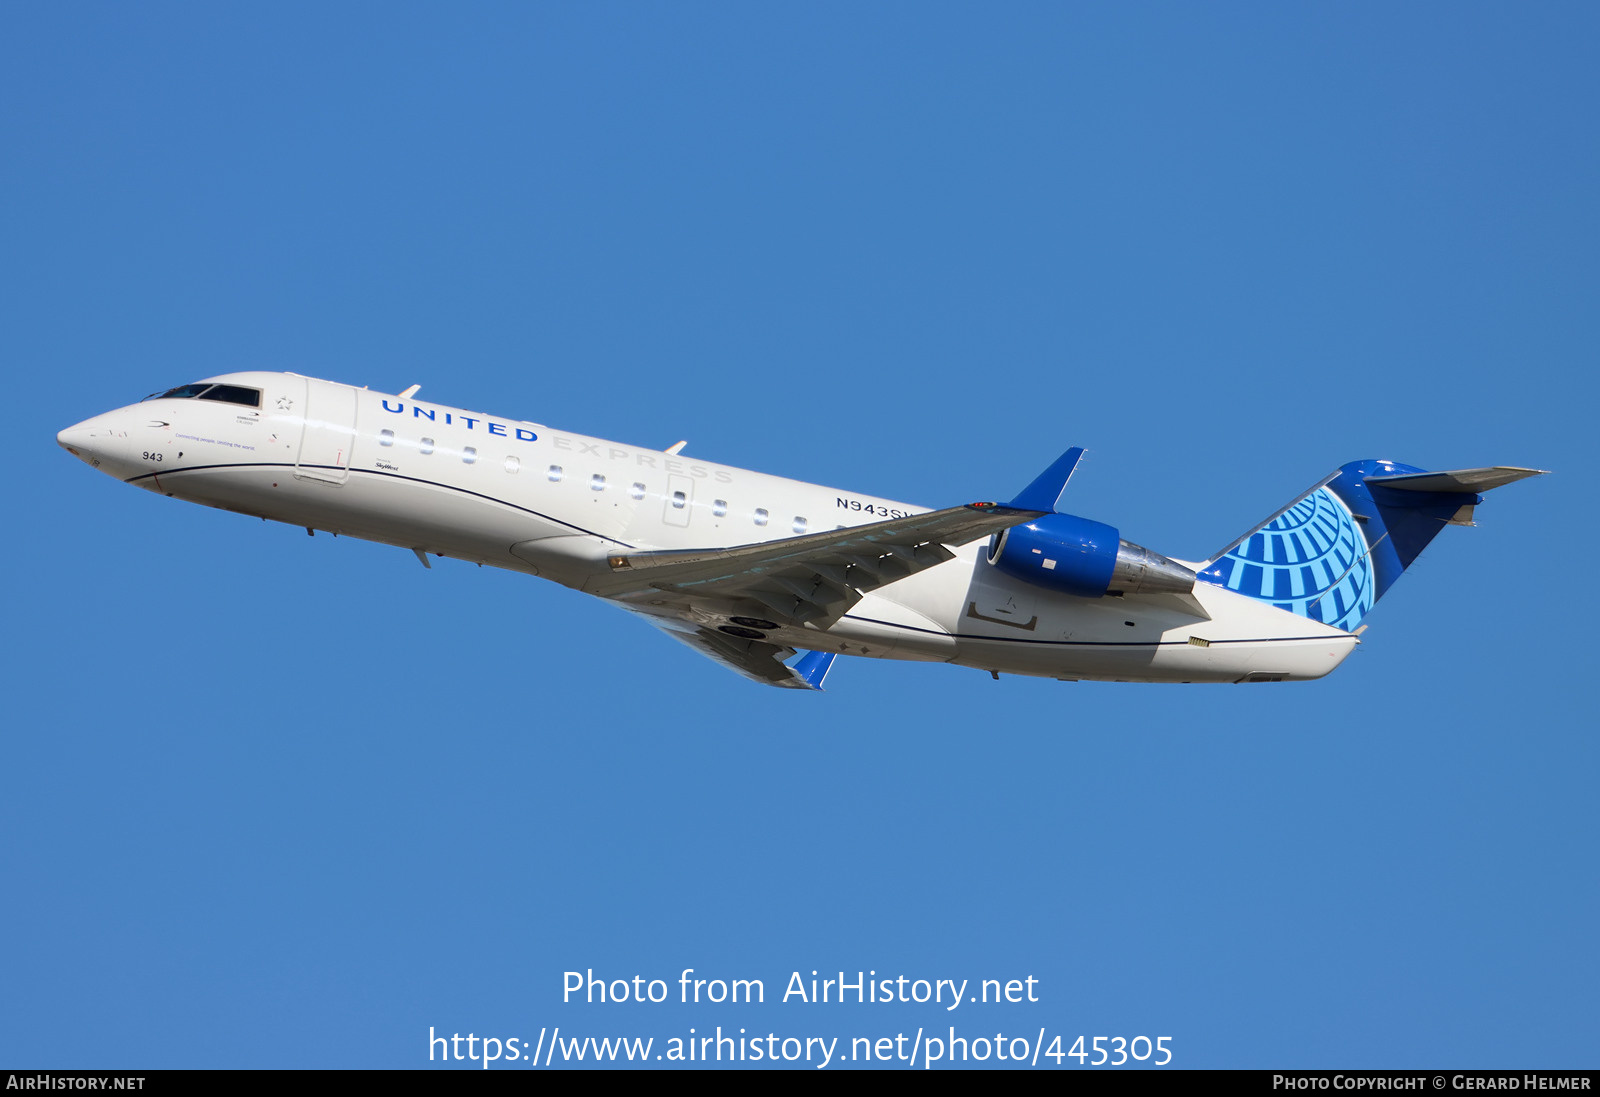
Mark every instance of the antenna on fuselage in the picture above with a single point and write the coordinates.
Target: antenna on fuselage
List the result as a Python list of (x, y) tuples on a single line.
[(676, 448), (410, 392)]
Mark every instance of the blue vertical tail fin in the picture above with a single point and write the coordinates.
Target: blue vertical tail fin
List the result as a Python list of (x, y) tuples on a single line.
[(1336, 549)]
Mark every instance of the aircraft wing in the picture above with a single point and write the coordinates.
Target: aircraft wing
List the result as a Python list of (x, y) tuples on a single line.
[(753, 659), (813, 578)]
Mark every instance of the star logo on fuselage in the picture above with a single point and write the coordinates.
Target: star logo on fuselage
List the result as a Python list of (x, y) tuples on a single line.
[(284, 403)]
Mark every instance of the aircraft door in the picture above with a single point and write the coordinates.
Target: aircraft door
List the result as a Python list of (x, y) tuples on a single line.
[(328, 435), (680, 499)]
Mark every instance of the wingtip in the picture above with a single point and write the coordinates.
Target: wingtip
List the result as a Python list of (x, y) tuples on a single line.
[(812, 668), (1044, 494)]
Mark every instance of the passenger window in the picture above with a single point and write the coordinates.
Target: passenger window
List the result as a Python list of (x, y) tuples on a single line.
[(556, 474), (761, 516), (637, 491), (513, 464), (719, 507), (679, 500), (799, 525), (427, 445), (597, 482), (469, 455), (386, 438)]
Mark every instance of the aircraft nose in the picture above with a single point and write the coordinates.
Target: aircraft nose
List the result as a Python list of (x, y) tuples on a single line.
[(102, 442), (75, 439)]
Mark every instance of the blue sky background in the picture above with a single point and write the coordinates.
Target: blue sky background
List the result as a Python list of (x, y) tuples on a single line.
[(279, 801)]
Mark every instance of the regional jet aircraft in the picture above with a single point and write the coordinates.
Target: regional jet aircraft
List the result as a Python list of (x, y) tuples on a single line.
[(753, 570)]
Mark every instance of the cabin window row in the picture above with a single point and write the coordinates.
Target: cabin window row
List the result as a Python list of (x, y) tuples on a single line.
[(679, 499), (469, 454), (597, 482)]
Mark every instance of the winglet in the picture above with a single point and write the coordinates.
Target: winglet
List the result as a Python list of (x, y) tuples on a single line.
[(1045, 492), (813, 667)]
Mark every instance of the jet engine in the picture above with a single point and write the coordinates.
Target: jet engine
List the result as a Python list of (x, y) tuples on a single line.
[(1089, 559)]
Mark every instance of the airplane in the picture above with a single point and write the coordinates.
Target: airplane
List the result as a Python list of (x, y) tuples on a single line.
[(754, 570)]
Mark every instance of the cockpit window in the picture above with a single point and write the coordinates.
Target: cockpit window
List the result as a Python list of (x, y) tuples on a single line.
[(233, 394), (182, 392), (204, 390)]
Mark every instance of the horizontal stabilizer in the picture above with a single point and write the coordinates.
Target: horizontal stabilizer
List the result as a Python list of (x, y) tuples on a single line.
[(1457, 481)]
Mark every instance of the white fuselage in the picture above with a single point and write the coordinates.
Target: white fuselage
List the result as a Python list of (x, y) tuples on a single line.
[(522, 496)]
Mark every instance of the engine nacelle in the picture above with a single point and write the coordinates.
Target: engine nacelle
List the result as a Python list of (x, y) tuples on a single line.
[(1060, 551), (1089, 559)]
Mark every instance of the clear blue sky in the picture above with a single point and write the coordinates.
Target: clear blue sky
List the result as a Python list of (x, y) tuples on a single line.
[(280, 801)]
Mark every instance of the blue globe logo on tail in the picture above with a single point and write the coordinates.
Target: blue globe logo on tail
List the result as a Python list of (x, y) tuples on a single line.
[(1311, 560)]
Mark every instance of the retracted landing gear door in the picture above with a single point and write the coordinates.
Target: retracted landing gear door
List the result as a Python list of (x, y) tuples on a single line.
[(329, 435)]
